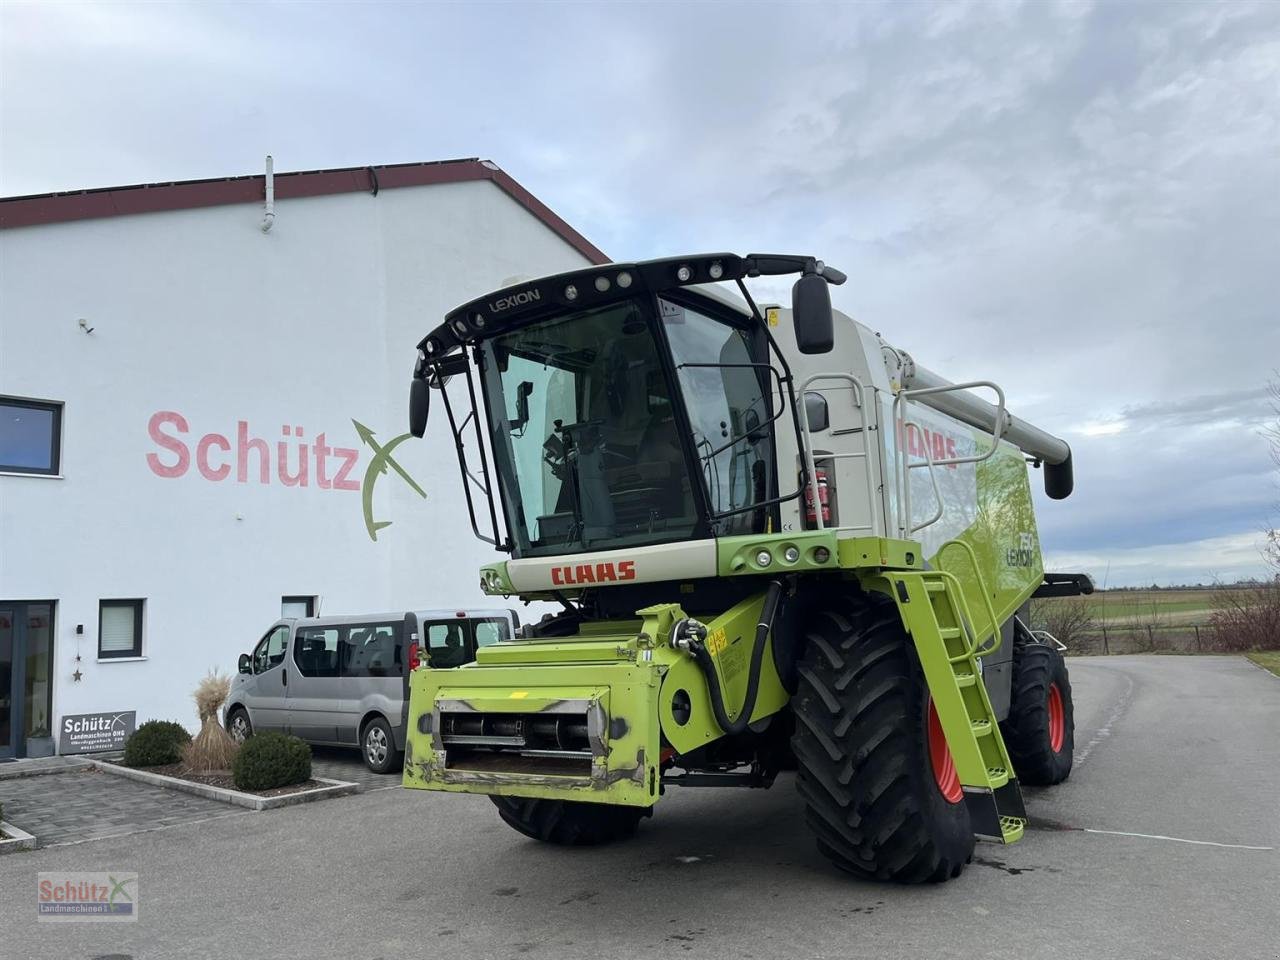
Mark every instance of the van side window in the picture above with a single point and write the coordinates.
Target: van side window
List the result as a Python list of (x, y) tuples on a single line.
[(316, 651), (489, 632), (446, 646), (372, 650), (270, 650)]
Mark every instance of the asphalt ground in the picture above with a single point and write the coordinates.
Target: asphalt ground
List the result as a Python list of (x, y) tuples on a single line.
[(1146, 852)]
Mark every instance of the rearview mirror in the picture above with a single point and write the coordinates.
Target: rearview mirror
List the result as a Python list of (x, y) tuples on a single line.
[(811, 312), (419, 405), (522, 405), (245, 666)]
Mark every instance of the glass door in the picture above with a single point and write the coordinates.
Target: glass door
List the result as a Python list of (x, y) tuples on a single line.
[(8, 699), (26, 675), (37, 675)]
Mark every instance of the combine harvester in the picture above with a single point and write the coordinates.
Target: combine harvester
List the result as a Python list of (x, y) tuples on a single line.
[(778, 542)]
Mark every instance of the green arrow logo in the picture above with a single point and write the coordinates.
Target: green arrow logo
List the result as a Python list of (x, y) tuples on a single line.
[(382, 459)]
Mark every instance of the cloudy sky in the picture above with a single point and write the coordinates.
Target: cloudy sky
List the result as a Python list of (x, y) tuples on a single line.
[(1079, 200)]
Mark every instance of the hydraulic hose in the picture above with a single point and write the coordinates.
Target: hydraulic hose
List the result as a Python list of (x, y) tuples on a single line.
[(703, 658)]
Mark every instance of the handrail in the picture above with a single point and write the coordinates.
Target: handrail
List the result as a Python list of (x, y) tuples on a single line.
[(859, 394), (982, 588), (903, 465)]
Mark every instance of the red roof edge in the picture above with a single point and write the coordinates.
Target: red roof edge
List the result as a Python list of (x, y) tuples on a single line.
[(189, 194)]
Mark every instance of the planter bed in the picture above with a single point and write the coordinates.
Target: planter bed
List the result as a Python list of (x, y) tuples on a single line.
[(12, 839), (220, 786)]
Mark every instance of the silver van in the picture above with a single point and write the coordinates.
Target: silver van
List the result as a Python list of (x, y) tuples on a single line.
[(344, 681)]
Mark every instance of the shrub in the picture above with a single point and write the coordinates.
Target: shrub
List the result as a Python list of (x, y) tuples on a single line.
[(268, 760), (155, 743), (1246, 617)]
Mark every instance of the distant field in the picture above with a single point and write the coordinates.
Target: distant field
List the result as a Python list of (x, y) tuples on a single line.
[(1173, 606)]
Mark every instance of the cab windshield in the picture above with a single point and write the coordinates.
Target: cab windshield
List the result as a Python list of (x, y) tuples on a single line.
[(587, 434)]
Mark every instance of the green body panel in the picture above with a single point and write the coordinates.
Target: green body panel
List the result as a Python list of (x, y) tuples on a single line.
[(618, 699), (622, 676), (1002, 566)]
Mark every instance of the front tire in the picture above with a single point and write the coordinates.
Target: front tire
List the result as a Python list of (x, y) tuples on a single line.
[(238, 725), (378, 748), (874, 797), (567, 823), (1040, 729)]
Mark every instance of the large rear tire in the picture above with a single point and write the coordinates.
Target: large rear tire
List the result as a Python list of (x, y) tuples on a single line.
[(873, 794), (567, 823), (1040, 729)]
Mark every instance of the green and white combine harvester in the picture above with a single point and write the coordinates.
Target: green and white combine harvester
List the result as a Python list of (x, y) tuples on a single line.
[(776, 541)]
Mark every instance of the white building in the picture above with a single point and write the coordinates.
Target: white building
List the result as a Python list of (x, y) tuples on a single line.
[(180, 458)]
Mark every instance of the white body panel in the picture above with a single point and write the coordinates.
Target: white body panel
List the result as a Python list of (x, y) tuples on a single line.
[(666, 561)]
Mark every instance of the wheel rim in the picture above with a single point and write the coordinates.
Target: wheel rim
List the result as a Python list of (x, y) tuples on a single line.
[(940, 759), (375, 745), (239, 729), (1057, 719)]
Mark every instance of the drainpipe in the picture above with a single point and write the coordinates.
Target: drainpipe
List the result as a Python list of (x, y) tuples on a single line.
[(269, 214)]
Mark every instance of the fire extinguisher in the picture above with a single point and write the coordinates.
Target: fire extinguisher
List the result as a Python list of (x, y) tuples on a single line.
[(824, 499)]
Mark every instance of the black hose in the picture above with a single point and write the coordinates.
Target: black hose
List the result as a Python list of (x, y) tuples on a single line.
[(703, 658)]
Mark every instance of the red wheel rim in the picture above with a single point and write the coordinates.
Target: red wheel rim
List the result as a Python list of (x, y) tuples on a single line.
[(1057, 719), (944, 766)]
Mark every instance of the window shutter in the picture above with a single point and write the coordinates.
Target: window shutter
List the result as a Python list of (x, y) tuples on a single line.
[(117, 628)]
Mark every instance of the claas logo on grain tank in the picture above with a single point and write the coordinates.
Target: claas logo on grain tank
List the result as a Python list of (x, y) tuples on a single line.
[(924, 443), (593, 573)]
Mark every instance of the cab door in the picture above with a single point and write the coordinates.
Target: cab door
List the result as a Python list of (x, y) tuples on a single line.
[(268, 689)]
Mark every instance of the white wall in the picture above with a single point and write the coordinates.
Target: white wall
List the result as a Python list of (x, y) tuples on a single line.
[(199, 313)]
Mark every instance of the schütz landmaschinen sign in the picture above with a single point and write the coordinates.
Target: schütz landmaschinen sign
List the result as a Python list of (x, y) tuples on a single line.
[(95, 732)]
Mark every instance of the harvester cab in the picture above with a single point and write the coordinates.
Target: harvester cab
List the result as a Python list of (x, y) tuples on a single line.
[(777, 543)]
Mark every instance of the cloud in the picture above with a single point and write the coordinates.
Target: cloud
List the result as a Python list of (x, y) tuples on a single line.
[(1225, 559)]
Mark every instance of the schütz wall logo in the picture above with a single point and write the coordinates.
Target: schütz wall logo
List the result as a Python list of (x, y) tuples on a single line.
[(297, 460)]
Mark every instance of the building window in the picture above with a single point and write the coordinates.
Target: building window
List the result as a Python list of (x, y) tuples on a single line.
[(119, 628), (30, 436), (294, 608)]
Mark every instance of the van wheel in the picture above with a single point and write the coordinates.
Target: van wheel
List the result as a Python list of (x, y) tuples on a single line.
[(238, 725), (379, 748)]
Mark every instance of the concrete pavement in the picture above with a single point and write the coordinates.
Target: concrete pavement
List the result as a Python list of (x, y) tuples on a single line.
[(1177, 747)]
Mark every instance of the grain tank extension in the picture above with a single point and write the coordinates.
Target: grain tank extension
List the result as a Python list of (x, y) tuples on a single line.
[(776, 542)]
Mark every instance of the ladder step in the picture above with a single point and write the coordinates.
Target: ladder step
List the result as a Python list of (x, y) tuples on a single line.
[(935, 586), (997, 777), (965, 679), (981, 728), (1011, 829), (951, 633)]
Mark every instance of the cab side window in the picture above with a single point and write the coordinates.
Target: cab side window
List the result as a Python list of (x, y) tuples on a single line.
[(270, 650), (446, 645), (316, 651)]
